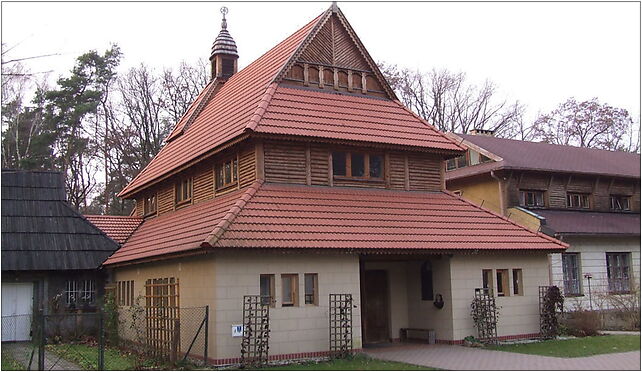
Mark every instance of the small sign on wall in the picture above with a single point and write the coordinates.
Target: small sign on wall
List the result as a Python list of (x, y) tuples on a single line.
[(237, 330)]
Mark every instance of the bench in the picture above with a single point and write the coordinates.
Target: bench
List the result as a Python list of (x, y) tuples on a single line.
[(429, 334)]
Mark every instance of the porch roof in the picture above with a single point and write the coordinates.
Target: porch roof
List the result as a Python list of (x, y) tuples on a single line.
[(279, 216), (119, 228)]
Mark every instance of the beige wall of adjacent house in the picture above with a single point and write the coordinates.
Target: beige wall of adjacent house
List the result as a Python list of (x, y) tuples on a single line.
[(519, 314), (592, 252), (197, 285), (303, 328)]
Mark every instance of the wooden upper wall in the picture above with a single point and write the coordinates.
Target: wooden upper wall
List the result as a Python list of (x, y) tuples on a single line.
[(295, 162)]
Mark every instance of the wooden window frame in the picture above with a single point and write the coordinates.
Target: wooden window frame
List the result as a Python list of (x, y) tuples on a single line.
[(456, 161), (78, 290), (622, 275), (523, 201), (178, 189), (505, 282), (234, 173), (153, 200), (518, 282), (571, 195), (315, 289), (619, 199), (487, 276), (271, 289), (366, 166), (294, 290), (125, 293), (574, 277)]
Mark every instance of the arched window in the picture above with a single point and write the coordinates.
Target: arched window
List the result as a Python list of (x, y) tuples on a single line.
[(426, 281)]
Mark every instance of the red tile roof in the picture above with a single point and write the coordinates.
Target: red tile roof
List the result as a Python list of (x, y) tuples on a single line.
[(252, 101), (306, 217), (548, 157), (118, 228)]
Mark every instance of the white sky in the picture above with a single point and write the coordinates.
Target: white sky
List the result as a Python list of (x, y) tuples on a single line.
[(539, 53)]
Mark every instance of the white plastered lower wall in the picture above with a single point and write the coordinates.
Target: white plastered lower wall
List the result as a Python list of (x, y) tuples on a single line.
[(592, 252)]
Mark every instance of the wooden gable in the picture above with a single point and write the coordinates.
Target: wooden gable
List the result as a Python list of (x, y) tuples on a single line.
[(333, 57)]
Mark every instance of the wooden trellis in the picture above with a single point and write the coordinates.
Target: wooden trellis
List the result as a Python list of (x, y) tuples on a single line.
[(256, 331), (551, 303), (340, 324), (484, 312), (162, 314)]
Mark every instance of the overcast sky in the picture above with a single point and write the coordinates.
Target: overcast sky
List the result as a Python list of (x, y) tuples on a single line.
[(539, 53)]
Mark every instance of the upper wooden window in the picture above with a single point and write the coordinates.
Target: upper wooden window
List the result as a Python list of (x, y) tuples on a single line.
[(518, 284), (183, 191), (458, 162), (531, 198), (149, 205), (311, 289), (227, 173), (357, 165), (266, 283), (289, 290), (487, 280), (620, 203), (576, 200), (502, 283)]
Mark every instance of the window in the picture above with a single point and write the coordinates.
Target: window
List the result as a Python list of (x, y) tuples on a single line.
[(183, 191), (571, 271), (518, 285), (426, 282), (289, 290), (226, 173), (458, 162), (617, 269), (575, 200), (487, 280), (267, 289), (502, 283), (311, 289), (357, 165), (80, 292), (125, 293), (620, 203), (531, 198), (484, 159), (149, 205)]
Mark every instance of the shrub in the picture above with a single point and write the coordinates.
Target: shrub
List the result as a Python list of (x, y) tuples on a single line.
[(582, 323)]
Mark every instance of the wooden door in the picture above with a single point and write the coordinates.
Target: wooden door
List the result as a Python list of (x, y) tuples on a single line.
[(377, 315)]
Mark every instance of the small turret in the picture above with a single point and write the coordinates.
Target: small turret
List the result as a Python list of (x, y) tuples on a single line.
[(224, 57)]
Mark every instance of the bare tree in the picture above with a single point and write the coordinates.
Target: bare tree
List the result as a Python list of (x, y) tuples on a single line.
[(589, 124), (448, 101)]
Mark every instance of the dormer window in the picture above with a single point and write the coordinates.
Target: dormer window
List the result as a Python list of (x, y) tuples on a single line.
[(149, 205), (183, 191), (576, 200), (357, 165), (620, 203), (531, 198), (227, 173), (458, 162)]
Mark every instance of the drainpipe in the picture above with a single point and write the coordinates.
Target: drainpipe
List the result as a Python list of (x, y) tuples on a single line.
[(501, 192)]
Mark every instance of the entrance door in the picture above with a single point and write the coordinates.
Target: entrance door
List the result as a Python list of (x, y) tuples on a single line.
[(375, 299), (17, 302)]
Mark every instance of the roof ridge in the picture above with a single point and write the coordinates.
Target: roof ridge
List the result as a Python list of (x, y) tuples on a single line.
[(82, 217), (261, 107), (227, 220), (425, 122), (209, 93), (549, 238)]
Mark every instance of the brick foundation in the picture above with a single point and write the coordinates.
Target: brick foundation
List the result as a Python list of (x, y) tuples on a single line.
[(500, 338), (294, 356)]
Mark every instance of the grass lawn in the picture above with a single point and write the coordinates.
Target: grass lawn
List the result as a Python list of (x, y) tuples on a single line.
[(86, 356), (356, 363), (9, 363), (577, 347)]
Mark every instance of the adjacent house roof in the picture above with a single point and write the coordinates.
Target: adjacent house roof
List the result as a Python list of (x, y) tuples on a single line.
[(284, 216), (41, 231), (119, 228), (589, 223), (252, 101), (547, 157)]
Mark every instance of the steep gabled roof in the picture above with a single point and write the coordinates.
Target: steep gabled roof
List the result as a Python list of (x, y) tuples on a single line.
[(41, 231), (541, 156), (253, 101), (281, 216), (119, 228)]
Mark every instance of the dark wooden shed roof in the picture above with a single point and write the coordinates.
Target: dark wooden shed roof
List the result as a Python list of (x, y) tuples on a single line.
[(41, 231)]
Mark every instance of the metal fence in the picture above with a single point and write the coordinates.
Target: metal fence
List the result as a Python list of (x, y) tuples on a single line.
[(101, 341)]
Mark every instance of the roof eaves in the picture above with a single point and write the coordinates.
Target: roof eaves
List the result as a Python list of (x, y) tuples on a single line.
[(226, 221), (551, 239)]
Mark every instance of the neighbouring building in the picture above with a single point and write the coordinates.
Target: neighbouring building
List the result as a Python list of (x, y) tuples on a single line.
[(302, 176), (51, 254), (588, 198)]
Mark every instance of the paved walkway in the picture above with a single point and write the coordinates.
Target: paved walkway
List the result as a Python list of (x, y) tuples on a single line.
[(22, 353), (466, 358)]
